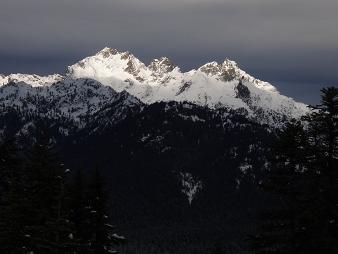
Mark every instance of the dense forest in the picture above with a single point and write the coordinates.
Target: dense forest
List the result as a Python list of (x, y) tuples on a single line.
[(285, 201), (304, 180), (46, 208)]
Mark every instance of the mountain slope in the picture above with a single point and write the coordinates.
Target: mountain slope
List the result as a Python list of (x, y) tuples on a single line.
[(213, 84), (69, 104)]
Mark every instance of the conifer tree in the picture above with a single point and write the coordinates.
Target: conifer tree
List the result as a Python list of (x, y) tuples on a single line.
[(303, 178), (280, 230), (80, 213), (103, 239), (49, 228), (12, 200), (323, 133)]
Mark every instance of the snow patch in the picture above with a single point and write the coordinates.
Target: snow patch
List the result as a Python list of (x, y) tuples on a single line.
[(190, 185), (244, 168)]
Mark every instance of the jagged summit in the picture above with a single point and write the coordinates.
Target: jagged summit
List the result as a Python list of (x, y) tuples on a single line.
[(106, 52), (161, 66), (213, 84)]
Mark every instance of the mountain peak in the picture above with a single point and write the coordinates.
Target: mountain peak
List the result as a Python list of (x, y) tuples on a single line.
[(226, 71), (108, 64), (161, 66), (229, 63), (212, 68), (106, 52)]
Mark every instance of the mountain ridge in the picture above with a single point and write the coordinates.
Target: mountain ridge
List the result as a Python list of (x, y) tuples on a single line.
[(213, 84)]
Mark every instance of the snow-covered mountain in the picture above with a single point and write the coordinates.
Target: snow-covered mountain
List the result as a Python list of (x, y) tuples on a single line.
[(214, 85), (75, 99), (181, 139), (34, 80)]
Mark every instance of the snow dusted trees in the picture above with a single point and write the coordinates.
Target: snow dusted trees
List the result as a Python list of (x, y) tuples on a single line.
[(94, 233), (304, 178)]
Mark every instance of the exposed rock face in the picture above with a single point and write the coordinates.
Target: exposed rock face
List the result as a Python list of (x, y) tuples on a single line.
[(228, 70), (107, 52), (161, 66), (243, 92), (184, 87), (131, 68), (211, 69), (225, 71), (126, 55)]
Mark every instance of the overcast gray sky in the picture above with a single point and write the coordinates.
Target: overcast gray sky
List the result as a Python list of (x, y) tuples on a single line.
[(291, 43)]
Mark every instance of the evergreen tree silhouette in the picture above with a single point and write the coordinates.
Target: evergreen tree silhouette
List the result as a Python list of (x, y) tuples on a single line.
[(323, 133), (49, 227), (12, 200), (280, 231), (80, 213), (103, 239), (303, 178)]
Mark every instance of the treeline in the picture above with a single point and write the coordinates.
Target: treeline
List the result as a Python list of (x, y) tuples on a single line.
[(303, 179), (47, 208)]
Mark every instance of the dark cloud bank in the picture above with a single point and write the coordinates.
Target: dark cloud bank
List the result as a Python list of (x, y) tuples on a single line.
[(293, 44)]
